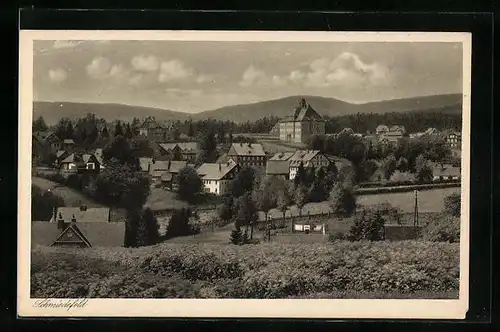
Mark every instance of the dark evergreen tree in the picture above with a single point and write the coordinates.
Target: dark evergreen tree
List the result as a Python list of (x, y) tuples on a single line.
[(118, 129)]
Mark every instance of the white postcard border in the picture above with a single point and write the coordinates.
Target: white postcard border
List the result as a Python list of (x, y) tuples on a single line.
[(226, 308)]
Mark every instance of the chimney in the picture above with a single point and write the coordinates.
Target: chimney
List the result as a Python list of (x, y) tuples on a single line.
[(220, 167), (73, 219), (60, 222)]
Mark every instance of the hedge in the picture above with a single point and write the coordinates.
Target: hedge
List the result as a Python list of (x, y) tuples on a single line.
[(267, 270), (400, 189)]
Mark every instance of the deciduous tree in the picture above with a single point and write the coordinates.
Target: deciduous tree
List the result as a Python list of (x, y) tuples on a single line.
[(189, 184)]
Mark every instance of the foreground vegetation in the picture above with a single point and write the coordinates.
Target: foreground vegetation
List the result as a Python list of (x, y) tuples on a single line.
[(409, 269)]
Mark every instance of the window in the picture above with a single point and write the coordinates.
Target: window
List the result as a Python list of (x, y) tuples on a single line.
[(90, 165)]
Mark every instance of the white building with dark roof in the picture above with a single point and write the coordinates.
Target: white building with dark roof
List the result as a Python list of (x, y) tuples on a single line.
[(247, 154), (308, 159), (217, 177), (301, 124)]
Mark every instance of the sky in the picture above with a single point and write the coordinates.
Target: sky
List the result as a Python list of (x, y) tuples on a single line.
[(194, 76)]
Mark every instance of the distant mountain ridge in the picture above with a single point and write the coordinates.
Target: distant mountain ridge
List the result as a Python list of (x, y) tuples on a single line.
[(53, 111)]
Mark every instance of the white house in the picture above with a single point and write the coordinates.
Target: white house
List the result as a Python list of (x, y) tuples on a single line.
[(217, 177), (308, 158)]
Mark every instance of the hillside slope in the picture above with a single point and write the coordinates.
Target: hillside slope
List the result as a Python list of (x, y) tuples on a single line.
[(52, 112), (331, 107)]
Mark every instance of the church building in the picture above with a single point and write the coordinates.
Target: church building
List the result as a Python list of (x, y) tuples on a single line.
[(301, 124)]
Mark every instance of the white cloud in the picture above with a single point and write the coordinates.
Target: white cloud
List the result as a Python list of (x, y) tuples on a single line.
[(174, 70), (66, 43), (57, 75), (204, 78), (184, 92), (99, 68), (119, 71), (253, 76), (145, 63), (347, 70)]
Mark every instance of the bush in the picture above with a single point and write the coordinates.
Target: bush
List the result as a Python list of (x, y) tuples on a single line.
[(236, 236), (452, 204), (43, 204), (268, 270), (336, 236), (342, 200), (443, 228), (367, 225), (180, 225), (391, 213), (399, 177)]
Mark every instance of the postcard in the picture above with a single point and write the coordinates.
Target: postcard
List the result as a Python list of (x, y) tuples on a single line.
[(241, 174)]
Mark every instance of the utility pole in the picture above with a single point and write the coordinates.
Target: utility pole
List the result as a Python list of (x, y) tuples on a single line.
[(415, 213)]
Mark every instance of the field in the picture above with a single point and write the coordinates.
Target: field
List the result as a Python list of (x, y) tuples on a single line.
[(407, 269), (71, 197)]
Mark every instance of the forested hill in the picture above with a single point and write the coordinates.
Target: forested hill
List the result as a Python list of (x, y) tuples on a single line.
[(451, 103), (328, 107)]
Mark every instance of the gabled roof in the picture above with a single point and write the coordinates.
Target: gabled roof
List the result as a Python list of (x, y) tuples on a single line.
[(61, 153), (109, 234), (72, 158), (282, 156), (303, 112), (213, 171), (277, 167), (184, 146), (246, 149), (303, 156), (68, 141), (44, 136), (89, 215), (446, 171), (72, 235), (161, 166), (89, 158)]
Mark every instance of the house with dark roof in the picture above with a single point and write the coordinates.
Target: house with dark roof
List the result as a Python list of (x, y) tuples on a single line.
[(80, 163), (279, 164), (166, 171), (43, 145), (179, 151), (77, 234), (308, 159), (153, 130), (217, 177), (81, 214), (247, 154), (301, 123), (446, 172)]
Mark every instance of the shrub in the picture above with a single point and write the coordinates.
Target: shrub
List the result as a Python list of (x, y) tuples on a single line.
[(452, 204), (268, 270), (43, 204), (180, 225), (236, 236), (336, 236), (399, 177), (443, 228), (367, 225), (391, 213), (342, 200)]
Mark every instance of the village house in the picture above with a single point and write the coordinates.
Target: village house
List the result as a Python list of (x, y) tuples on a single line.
[(301, 124), (391, 138), (445, 172), (77, 162), (217, 178), (308, 159), (151, 130), (166, 171), (78, 227), (44, 144), (185, 150), (279, 164), (454, 140), (247, 154)]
